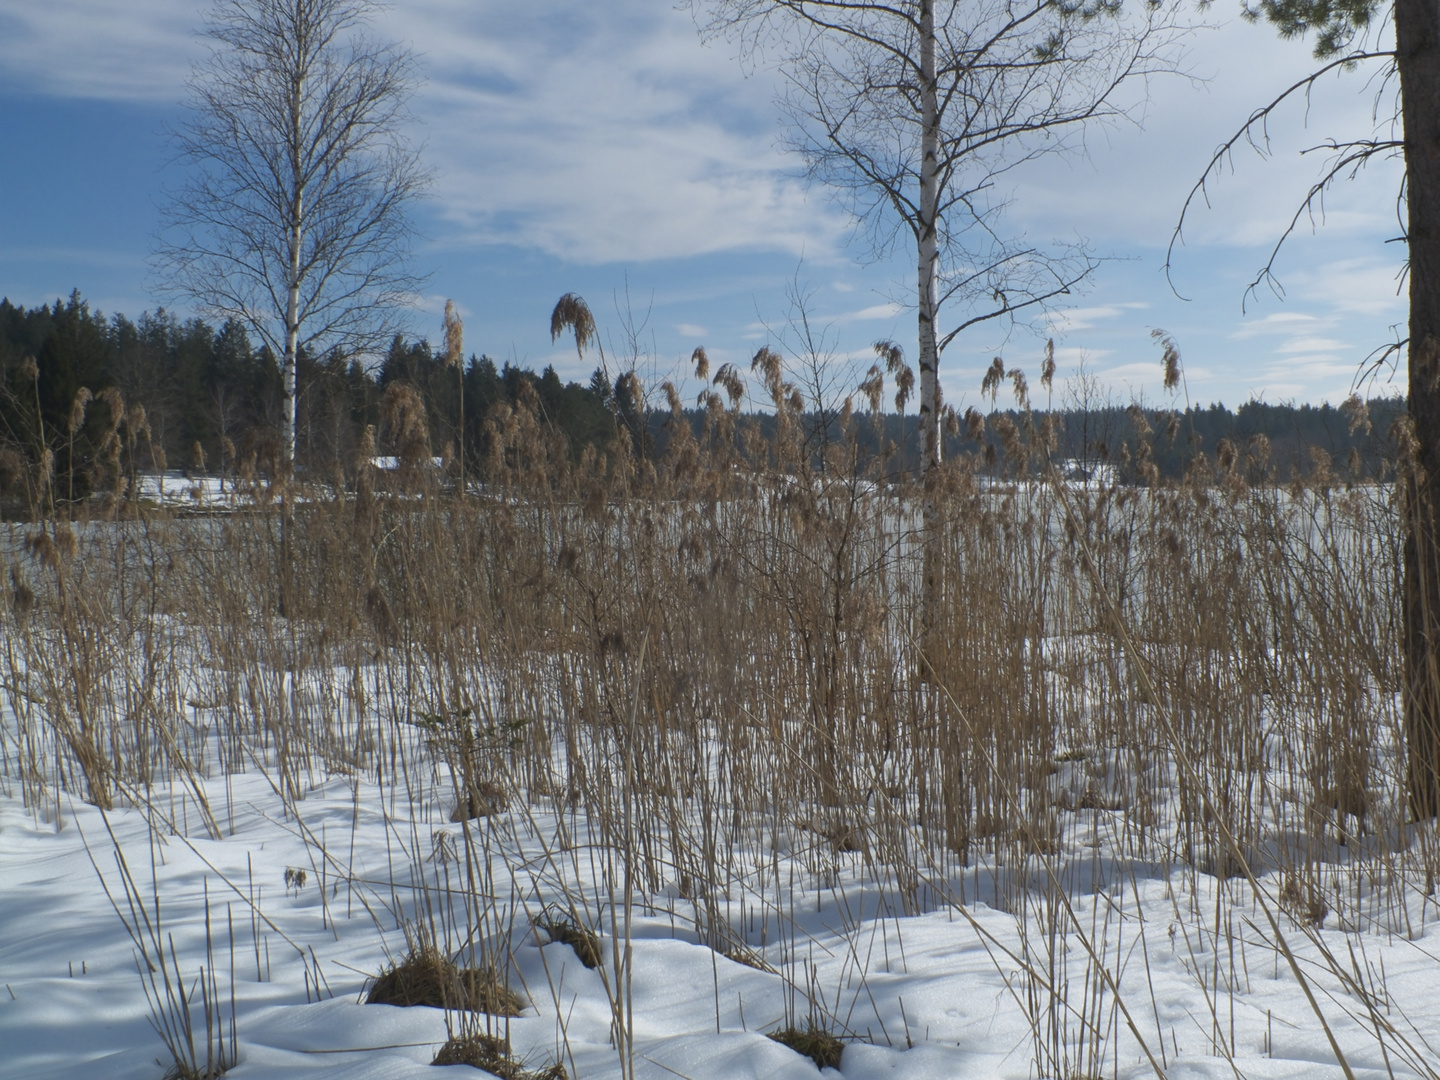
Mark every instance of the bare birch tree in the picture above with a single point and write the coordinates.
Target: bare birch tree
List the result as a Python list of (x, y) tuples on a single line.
[(918, 110), (293, 218)]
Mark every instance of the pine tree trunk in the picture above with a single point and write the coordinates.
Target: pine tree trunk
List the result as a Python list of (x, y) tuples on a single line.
[(1417, 33)]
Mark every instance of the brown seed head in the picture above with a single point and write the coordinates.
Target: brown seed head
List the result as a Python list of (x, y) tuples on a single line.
[(767, 362), (115, 405), (990, 384), (21, 595), (1022, 388), (404, 416), (43, 548), (77, 410), (734, 386), (1169, 357), (572, 313), (672, 397), (1140, 420), (873, 386), (629, 390), (974, 424), (65, 541), (1357, 410), (453, 331), (1009, 436)]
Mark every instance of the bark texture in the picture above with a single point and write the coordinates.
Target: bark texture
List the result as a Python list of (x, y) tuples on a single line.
[(1417, 33)]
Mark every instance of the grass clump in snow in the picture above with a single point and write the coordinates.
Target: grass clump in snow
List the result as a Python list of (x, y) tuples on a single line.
[(492, 1054), (819, 1045), (426, 977), (743, 954), (567, 931)]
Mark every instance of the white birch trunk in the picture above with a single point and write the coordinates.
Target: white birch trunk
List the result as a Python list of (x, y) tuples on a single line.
[(295, 237), (292, 340), (929, 252), (929, 245)]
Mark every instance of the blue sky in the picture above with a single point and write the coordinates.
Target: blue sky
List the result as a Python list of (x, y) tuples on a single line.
[(600, 148)]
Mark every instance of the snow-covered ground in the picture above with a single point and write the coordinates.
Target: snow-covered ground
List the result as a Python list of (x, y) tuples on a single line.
[(954, 991)]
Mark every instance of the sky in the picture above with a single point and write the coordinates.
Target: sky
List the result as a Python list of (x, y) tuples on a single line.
[(604, 149)]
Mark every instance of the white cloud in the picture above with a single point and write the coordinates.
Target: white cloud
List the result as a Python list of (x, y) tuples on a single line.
[(595, 135), (1317, 366), (605, 133), (1128, 192), (139, 50), (690, 330), (1135, 375), (605, 137), (1076, 355), (1312, 345), (1279, 322), (872, 313), (1068, 320), (1359, 286)]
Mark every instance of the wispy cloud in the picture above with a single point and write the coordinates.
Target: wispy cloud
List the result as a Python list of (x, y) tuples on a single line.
[(1136, 376), (1357, 286), (1313, 345), (592, 134), (140, 50), (1072, 356), (872, 313), (1069, 320), (1279, 322), (605, 136)]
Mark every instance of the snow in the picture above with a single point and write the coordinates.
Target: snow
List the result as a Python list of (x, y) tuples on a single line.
[(934, 994)]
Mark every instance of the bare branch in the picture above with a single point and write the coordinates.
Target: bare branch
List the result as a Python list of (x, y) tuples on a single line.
[(1254, 132)]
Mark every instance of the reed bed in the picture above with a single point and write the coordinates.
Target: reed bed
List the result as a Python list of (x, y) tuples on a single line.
[(636, 682)]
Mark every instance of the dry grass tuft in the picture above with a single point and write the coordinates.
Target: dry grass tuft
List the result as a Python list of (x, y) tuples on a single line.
[(1304, 905), (483, 798), (426, 977), (567, 931), (492, 1054), (813, 1042), (743, 954)]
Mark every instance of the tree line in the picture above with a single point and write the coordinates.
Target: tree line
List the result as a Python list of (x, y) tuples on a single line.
[(86, 398)]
